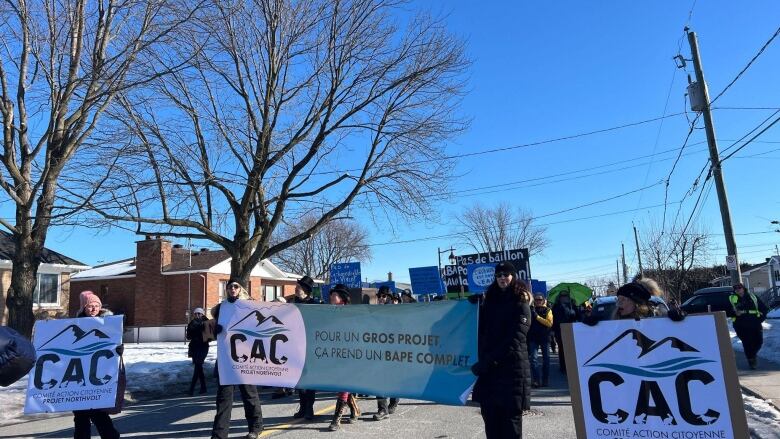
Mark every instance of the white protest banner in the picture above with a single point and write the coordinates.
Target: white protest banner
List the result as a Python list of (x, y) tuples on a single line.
[(77, 366), (654, 378)]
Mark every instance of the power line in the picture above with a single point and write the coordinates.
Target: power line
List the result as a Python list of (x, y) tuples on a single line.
[(581, 206), (751, 139), (752, 60), (522, 145)]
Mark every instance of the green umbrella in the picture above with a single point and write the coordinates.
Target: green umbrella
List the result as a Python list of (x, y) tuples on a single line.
[(579, 293)]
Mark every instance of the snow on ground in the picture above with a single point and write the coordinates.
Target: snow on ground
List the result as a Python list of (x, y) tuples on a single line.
[(763, 419), (774, 314), (771, 347), (153, 369)]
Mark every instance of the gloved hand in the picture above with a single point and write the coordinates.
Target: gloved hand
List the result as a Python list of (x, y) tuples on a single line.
[(590, 320), (217, 329), (479, 368), (120, 349), (533, 314), (475, 298), (676, 314)]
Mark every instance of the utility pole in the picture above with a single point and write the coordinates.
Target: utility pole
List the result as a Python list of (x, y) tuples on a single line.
[(617, 271), (638, 255), (717, 172), (625, 268)]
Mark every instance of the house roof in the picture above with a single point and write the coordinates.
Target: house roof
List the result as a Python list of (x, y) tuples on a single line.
[(125, 267), (8, 248), (201, 260), (753, 268)]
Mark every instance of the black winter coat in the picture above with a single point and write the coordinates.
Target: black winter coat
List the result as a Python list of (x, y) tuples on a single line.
[(17, 356), (504, 320), (563, 314), (198, 348)]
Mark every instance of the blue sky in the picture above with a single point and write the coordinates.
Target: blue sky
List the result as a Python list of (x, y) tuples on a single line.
[(544, 70)]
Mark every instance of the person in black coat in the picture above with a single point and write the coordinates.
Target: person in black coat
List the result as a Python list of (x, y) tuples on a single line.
[(17, 356), (502, 370), (198, 349), (564, 311), (306, 397)]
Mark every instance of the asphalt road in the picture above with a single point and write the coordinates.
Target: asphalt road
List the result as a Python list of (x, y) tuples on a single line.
[(191, 417)]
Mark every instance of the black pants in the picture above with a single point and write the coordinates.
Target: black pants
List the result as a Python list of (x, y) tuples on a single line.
[(306, 399), (252, 410), (752, 336), (198, 375), (103, 423), (561, 356), (502, 421), (381, 403)]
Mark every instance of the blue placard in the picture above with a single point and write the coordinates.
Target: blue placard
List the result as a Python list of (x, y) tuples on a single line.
[(539, 287), (389, 283), (346, 273), (480, 276), (325, 289), (426, 280)]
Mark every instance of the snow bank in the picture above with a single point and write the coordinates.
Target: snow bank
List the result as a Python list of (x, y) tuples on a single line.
[(763, 419), (774, 314), (153, 369)]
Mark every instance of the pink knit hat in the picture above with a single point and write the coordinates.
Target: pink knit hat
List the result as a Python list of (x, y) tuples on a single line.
[(88, 297)]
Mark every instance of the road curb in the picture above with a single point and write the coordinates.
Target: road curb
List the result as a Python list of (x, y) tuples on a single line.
[(755, 394)]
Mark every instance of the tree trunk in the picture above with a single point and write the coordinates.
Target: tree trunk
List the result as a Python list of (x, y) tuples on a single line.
[(24, 279)]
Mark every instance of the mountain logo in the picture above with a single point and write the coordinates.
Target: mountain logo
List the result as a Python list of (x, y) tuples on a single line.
[(78, 342), (647, 346), (261, 326)]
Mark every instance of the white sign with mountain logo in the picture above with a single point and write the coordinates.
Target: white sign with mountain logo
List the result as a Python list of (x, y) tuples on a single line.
[(77, 367), (260, 342), (654, 378)]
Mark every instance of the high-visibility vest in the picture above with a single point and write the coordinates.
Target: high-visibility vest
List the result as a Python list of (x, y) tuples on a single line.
[(734, 298)]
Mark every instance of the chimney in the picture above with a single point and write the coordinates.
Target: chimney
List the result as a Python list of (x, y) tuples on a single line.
[(390, 276), (152, 256)]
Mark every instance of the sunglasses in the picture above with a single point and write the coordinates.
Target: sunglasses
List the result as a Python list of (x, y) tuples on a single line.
[(234, 286), (502, 274)]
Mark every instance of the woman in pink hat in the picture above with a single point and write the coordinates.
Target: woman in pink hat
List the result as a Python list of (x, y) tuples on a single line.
[(91, 306)]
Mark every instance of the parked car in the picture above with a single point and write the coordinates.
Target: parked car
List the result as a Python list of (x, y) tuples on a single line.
[(710, 299), (604, 307)]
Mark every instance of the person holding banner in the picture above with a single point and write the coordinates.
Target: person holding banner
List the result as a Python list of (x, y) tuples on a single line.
[(252, 409), (633, 302), (17, 356), (502, 368), (306, 398), (383, 408), (339, 295), (91, 306)]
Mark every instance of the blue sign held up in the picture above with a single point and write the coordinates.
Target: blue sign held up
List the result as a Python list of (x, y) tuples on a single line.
[(426, 280), (539, 287), (347, 273), (480, 276)]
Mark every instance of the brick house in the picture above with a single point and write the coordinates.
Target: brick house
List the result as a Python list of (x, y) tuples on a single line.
[(51, 296), (162, 282)]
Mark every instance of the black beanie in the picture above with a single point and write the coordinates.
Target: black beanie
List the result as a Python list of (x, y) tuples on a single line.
[(635, 291)]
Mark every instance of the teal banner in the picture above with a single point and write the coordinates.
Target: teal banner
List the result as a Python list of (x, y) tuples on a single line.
[(416, 350)]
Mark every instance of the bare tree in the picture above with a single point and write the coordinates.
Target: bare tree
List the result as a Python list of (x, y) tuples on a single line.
[(673, 254), (337, 241), (62, 64), (501, 227), (294, 109)]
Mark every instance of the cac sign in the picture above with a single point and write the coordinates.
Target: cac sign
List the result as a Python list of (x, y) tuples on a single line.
[(77, 366), (655, 378)]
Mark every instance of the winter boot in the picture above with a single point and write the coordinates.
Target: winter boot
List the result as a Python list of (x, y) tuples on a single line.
[(302, 403), (381, 414), (354, 410), (335, 424), (752, 362), (393, 405)]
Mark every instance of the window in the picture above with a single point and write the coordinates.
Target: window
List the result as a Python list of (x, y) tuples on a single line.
[(47, 293), (222, 289), (271, 292)]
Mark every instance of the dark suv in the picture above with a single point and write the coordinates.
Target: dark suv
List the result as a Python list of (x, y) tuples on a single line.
[(710, 299)]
